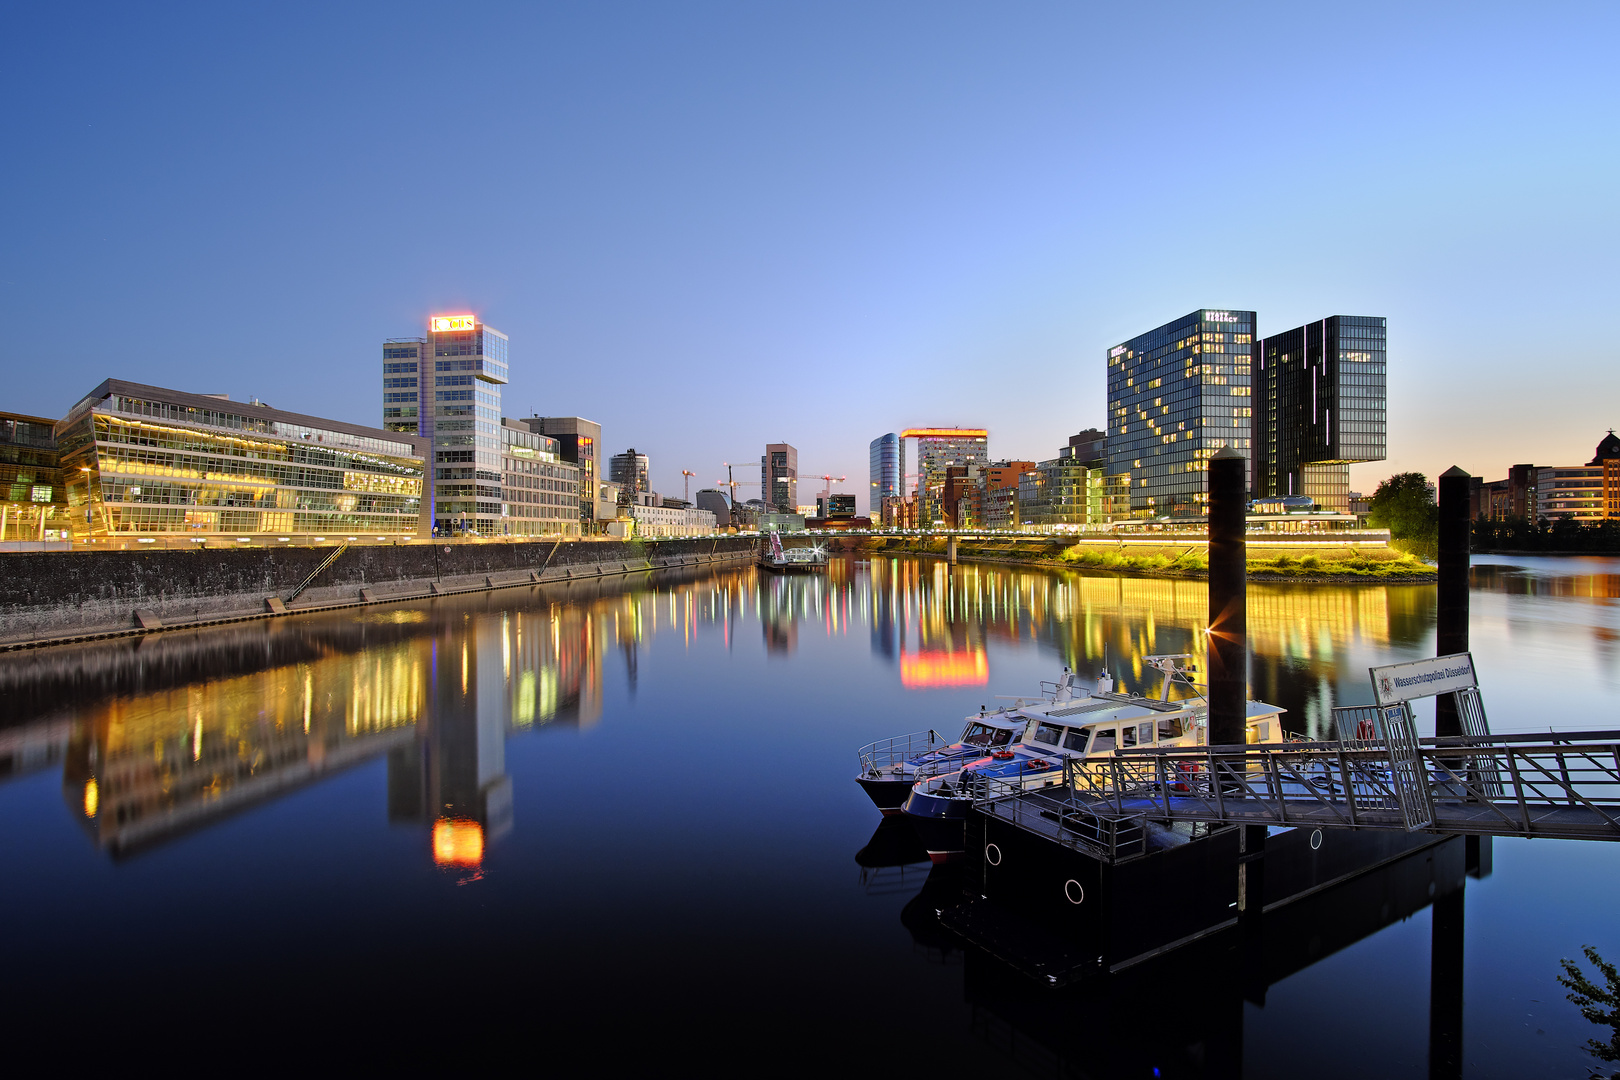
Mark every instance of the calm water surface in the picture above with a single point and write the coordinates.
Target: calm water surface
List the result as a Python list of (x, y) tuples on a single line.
[(619, 821)]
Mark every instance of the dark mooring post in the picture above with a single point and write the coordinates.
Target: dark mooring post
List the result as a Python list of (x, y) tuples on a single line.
[(1451, 623), (1446, 987), (1228, 583)]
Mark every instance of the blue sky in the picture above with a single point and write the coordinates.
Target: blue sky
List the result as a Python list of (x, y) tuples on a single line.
[(711, 226)]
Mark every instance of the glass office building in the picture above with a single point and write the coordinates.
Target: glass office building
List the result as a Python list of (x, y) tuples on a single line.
[(939, 449), (779, 478), (1319, 406), (141, 460), (1176, 395), (888, 468), (34, 505), (449, 383)]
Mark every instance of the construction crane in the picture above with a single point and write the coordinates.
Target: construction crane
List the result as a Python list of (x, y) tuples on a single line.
[(730, 484), (686, 485), (826, 492)]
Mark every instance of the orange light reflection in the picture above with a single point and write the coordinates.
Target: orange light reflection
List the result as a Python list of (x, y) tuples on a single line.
[(458, 842), (936, 667)]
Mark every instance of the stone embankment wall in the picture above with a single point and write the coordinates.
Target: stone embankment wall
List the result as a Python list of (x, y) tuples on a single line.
[(51, 595)]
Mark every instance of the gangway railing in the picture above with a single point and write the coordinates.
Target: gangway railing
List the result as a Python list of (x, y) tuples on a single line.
[(1071, 823), (885, 753), (1561, 785)]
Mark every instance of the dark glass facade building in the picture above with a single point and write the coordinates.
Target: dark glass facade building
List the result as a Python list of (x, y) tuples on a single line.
[(1177, 394), (888, 466), (1319, 407)]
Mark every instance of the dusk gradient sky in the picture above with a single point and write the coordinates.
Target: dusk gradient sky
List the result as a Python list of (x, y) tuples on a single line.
[(713, 225)]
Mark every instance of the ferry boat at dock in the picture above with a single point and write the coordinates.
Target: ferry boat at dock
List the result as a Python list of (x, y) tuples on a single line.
[(890, 767), (1077, 734), (794, 559)]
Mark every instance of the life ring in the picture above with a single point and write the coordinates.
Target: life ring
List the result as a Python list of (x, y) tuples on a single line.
[(1037, 763), (1074, 892), (992, 854), (1003, 755)]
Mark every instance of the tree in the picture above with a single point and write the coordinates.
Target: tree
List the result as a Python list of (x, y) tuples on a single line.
[(1598, 1004), (1404, 504)]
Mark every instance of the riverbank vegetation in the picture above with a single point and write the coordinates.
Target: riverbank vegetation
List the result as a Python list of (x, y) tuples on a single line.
[(1182, 560)]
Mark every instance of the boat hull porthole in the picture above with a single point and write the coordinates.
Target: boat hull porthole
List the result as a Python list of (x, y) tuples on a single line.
[(1075, 891), (992, 854), (1316, 840)]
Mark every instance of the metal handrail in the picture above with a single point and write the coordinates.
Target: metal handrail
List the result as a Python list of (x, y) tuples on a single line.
[(1564, 785), (328, 561), (884, 753)]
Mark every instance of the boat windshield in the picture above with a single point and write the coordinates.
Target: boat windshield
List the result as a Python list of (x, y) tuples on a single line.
[(1049, 734), (985, 735)]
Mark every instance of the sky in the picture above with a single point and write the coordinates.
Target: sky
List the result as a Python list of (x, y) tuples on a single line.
[(709, 226)]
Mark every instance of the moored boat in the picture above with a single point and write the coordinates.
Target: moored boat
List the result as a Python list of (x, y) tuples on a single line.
[(1083, 733)]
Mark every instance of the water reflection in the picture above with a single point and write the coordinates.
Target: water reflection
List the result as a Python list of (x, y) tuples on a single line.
[(159, 735)]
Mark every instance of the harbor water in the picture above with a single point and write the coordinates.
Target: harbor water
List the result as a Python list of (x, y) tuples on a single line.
[(617, 821)]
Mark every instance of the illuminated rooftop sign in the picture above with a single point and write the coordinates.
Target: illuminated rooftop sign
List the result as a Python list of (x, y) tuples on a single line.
[(944, 433), (440, 324), (1220, 316)]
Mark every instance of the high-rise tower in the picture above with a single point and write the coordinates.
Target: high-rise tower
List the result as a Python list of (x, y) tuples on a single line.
[(454, 377), (1177, 394), (1319, 405)]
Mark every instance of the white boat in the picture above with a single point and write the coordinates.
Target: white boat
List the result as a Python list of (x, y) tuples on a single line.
[(1084, 732)]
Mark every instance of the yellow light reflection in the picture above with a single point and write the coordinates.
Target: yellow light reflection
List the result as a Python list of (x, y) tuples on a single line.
[(92, 797)]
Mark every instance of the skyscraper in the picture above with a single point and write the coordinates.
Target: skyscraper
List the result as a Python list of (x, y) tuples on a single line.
[(779, 478), (1319, 405), (888, 461), (937, 450), (454, 375), (1177, 394)]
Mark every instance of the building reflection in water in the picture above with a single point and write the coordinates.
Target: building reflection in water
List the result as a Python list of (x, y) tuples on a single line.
[(160, 735)]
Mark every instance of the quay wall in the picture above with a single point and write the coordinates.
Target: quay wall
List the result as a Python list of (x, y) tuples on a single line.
[(52, 595)]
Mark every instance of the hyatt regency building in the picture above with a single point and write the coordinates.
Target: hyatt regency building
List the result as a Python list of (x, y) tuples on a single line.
[(144, 461), (1177, 394)]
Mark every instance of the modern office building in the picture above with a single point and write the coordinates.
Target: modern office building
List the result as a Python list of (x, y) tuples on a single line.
[(539, 489), (716, 502), (996, 503), (1588, 494), (454, 376), (631, 471), (579, 441), (835, 507), (1319, 406), (141, 460), (1176, 395), (779, 478), (35, 499), (402, 385), (888, 471), (939, 449)]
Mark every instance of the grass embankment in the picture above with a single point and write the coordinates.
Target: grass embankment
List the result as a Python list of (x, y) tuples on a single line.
[(1171, 560)]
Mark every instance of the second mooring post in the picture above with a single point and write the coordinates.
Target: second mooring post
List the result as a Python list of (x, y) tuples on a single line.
[(1451, 621), (1228, 582)]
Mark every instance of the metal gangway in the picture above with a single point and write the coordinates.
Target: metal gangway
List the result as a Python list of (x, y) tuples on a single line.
[(1560, 785)]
